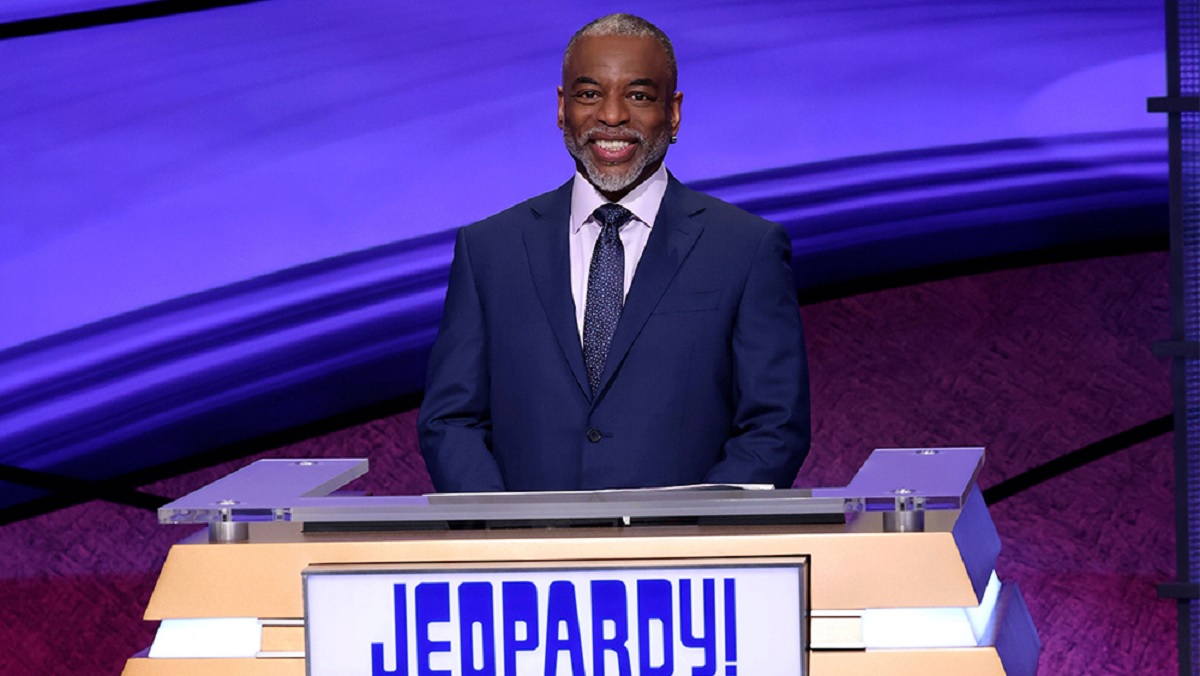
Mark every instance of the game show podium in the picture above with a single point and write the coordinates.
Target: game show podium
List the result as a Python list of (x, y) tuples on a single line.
[(892, 574)]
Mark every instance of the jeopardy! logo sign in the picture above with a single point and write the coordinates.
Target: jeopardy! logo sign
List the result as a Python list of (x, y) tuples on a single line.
[(700, 621)]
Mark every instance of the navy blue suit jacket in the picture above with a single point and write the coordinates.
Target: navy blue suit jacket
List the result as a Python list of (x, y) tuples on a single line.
[(706, 378)]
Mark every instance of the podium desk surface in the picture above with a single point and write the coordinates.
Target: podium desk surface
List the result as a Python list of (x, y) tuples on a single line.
[(300, 490)]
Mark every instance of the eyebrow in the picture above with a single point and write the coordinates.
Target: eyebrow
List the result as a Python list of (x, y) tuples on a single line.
[(640, 82)]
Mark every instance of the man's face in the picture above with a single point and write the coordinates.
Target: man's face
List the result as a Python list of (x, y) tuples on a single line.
[(618, 110)]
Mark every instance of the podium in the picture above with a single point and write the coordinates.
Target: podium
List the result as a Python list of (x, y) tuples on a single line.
[(893, 573)]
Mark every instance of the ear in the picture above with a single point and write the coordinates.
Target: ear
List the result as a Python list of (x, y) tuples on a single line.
[(561, 100), (674, 109)]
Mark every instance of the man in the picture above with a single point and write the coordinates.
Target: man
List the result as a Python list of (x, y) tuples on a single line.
[(622, 330)]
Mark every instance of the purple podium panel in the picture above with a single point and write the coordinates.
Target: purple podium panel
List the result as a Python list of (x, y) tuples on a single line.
[(936, 478)]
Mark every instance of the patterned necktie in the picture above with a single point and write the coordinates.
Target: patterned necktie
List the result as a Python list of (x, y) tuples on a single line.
[(605, 290)]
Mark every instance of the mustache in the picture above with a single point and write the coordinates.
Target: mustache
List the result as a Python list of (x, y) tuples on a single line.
[(611, 134)]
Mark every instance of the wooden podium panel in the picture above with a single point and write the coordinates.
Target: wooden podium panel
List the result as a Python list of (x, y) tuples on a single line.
[(865, 579), (206, 666)]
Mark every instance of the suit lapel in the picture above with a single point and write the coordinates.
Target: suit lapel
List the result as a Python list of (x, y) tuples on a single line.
[(547, 245), (674, 233)]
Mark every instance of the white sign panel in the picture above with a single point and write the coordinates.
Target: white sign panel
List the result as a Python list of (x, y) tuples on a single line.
[(634, 621)]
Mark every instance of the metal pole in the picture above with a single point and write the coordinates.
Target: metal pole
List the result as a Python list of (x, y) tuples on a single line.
[(1182, 106)]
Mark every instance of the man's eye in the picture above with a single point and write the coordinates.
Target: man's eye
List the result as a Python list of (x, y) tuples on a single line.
[(588, 94), (640, 96)]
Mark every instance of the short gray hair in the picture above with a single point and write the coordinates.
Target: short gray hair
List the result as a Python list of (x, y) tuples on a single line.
[(626, 25)]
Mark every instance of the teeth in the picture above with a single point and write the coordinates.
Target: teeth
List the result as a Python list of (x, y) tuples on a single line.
[(612, 146)]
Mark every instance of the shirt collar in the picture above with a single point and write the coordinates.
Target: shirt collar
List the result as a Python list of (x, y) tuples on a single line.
[(643, 201)]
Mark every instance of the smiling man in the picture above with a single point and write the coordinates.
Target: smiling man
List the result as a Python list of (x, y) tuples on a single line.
[(622, 330)]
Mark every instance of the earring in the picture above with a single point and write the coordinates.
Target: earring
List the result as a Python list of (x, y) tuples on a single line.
[(674, 139)]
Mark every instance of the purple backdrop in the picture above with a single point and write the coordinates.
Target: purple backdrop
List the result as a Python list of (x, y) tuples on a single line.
[(148, 160)]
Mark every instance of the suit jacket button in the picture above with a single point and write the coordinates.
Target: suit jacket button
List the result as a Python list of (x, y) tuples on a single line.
[(594, 435)]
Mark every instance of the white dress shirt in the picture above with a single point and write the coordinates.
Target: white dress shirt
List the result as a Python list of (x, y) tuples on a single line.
[(643, 201)]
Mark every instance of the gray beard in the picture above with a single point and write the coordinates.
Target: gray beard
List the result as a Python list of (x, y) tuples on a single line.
[(654, 150)]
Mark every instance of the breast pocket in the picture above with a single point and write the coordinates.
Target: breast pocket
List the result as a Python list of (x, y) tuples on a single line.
[(689, 301)]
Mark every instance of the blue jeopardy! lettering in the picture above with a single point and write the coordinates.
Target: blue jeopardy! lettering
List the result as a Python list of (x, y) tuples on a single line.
[(522, 630)]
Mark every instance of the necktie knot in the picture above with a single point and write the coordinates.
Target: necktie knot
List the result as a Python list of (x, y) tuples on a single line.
[(612, 214)]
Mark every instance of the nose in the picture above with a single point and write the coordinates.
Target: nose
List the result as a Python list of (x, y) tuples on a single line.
[(613, 112)]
